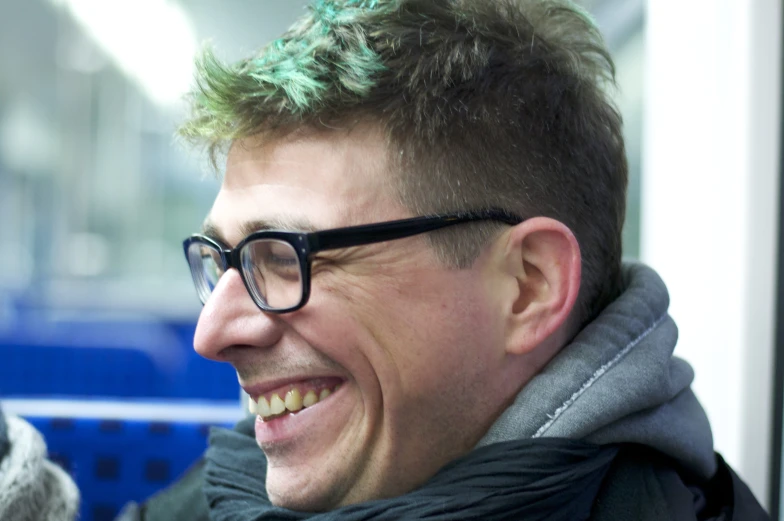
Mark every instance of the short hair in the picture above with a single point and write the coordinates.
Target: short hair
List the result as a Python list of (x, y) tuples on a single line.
[(502, 103)]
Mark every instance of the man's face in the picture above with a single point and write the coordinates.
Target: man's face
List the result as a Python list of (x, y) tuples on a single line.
[(414, 349)]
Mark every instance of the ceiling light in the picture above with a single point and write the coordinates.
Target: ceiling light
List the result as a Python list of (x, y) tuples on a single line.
[(151, 41)]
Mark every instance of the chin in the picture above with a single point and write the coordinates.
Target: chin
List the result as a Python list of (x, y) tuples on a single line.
[(299, 502), (322, 496), (303, 497)]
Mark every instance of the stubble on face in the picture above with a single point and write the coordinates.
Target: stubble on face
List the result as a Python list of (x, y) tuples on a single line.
[(412, 337)]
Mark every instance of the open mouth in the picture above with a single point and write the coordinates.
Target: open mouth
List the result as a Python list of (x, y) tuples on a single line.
[(296, 398)]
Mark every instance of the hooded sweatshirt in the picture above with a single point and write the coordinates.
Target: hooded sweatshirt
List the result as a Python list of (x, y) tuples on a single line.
[(617, 382)]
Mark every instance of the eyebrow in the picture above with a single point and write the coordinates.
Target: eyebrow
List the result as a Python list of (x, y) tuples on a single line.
[(275, 223)]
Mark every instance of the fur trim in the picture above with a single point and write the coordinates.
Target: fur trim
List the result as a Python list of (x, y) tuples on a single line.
[(31, 487)]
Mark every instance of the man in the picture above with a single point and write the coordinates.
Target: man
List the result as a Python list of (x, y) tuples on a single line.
[(413, 264)]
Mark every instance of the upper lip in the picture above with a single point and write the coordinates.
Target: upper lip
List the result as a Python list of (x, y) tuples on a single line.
[(256, 390)]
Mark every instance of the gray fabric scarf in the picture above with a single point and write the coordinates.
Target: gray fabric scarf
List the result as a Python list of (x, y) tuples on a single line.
[(536, 480)]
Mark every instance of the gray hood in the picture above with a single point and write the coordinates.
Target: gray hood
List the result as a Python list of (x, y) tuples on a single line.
[(618, 382)]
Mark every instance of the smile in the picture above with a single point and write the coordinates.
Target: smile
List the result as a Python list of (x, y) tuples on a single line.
[(271, 406)]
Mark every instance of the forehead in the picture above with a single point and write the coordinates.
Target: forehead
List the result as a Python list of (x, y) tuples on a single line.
[(319, 179), (356, 157)]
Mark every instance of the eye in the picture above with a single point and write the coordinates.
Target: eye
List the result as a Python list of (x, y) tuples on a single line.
[(281, 255), (274, 258)]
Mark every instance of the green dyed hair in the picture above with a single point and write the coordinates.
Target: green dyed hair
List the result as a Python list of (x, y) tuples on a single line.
[(483, 103)]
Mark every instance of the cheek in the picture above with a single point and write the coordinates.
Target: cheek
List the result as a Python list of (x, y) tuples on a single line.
[(438, 366), (445, 348), (406, 336), (332, 324), (428, 331)]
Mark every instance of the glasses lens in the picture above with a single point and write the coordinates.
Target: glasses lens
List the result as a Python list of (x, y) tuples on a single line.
[(206, 268), (274, 272)]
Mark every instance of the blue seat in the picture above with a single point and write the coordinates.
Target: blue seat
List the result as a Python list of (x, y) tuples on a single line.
[(136, 361), (115, 359), (114, 462)]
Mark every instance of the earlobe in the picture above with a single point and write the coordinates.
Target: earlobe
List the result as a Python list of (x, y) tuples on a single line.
[(544, 257)]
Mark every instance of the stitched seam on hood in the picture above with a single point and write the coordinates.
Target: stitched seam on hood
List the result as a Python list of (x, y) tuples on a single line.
[(594, 377)]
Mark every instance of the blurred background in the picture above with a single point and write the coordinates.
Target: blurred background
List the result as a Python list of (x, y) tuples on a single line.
[(96, 194), (97, 307)]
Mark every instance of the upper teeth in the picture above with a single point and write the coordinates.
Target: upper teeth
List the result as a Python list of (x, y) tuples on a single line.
[(310, 399), (293, 401), (276, 404)]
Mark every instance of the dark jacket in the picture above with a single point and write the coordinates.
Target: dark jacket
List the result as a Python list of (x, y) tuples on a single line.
[(645, 486)]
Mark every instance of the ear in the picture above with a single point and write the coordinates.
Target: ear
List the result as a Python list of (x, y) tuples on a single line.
[(543, 257)]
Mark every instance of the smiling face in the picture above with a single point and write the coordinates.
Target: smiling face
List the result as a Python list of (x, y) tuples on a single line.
[(412, 351)]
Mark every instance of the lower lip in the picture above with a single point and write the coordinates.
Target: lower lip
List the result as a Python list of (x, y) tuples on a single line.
[(292, 425)]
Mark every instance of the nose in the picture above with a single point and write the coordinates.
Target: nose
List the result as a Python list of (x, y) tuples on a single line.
[(230, 319)]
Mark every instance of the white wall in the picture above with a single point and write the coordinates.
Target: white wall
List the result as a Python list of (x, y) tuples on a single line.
[(710, 205)]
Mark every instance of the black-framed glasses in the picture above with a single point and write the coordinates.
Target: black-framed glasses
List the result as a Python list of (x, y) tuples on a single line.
[(275, 265)]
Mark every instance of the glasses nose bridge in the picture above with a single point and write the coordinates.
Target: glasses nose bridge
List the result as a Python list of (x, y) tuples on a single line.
[(231, 259)]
